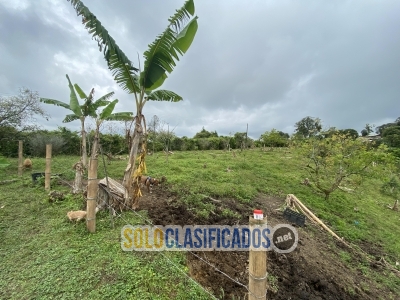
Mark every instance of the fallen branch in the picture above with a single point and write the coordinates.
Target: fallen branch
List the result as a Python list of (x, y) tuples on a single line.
[(313, 217), (291, 201), (8, 181), (212, 199)]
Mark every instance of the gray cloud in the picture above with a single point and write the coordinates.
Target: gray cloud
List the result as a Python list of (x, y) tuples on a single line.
[(263, 63)]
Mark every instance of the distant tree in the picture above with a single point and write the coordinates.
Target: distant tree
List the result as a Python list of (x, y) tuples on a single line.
[(391, 136), (340, 161), (379, 129), (205, 134), (364, 132), (368, 129), (177, 143), (152, 132), (21, 110), (38, 142), (350, 132), (274, 138), (308, 127), (284, 134), (165, 135), (241, 141)]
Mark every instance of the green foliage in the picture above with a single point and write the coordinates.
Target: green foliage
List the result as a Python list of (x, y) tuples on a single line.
[(392, 187), (274, 138), (28, 219), (38, 142), (308, 127), (391, 136), (9, 137), (163, 53), (364, 132), (54, 260), (118, 63), (342, 161), (205, 134), (160, 58), (3, 162), (87, 109), (350, 132), (73, 100), (381, 128)]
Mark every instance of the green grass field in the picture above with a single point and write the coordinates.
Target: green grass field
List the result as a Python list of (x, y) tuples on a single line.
[(43, 256)]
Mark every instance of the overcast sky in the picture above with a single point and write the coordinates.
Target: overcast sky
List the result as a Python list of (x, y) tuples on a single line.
[(267, 64)]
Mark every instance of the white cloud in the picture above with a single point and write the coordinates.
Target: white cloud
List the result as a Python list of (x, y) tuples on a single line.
[(16, 4)]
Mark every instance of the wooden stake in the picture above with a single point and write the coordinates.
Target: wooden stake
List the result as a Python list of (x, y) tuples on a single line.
[(48, 167), (20, 158), (92, 189), (257, 267), (313, 217)]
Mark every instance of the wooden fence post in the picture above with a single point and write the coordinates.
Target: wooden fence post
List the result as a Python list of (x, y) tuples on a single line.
[(257, 267), (48, 167), (20, 158), (92, 189)]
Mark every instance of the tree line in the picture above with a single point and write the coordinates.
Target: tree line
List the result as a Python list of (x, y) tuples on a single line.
[(17, 111)]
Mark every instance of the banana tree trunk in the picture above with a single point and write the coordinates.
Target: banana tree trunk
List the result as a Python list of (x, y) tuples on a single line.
[(131, 180), (84, 149), (77, 188), (92, 187)]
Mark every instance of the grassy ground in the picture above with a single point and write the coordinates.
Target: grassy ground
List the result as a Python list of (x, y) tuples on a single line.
[(44, 257)]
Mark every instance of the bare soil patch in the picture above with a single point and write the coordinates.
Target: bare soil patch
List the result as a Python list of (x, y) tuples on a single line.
[(313, 271)]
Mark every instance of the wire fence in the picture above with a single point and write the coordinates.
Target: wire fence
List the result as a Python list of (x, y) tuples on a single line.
[(149, 222), (64, 174)]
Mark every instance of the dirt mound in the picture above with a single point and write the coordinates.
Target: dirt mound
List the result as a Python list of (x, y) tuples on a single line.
[(314, 270)]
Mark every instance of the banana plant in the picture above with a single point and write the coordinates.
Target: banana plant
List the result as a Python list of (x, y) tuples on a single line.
[(80, 112), (92, 188), (159, 59)]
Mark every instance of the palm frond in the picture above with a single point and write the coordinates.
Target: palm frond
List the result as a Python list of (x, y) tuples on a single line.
[(81, 94), (182, 15), (116, 59), (73, 99), (55, 102), (120, 116), (124, 74), (107, 111), (70, 118), (185, 38), (163, 53), (103, 99), (160, 58), (164, 95)]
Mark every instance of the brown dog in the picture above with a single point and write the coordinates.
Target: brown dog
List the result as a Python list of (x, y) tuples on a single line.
[(148, 182), (78, 215), (27, 163)]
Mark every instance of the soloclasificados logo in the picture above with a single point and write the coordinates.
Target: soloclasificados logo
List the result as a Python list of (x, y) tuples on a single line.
[(282, 238)]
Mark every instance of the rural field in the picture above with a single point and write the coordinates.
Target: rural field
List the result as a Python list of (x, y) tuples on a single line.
[(45, 256)]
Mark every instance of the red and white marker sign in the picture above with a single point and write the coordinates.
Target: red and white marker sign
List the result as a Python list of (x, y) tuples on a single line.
[(258, 214)]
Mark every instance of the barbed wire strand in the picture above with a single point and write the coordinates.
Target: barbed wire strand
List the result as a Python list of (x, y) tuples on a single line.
[(120, 216), (186, 250), (191, 252)]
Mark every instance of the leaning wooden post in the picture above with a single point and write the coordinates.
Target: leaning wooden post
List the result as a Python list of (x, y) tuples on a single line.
[(20, 158), (257, 263), (48, 167)]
